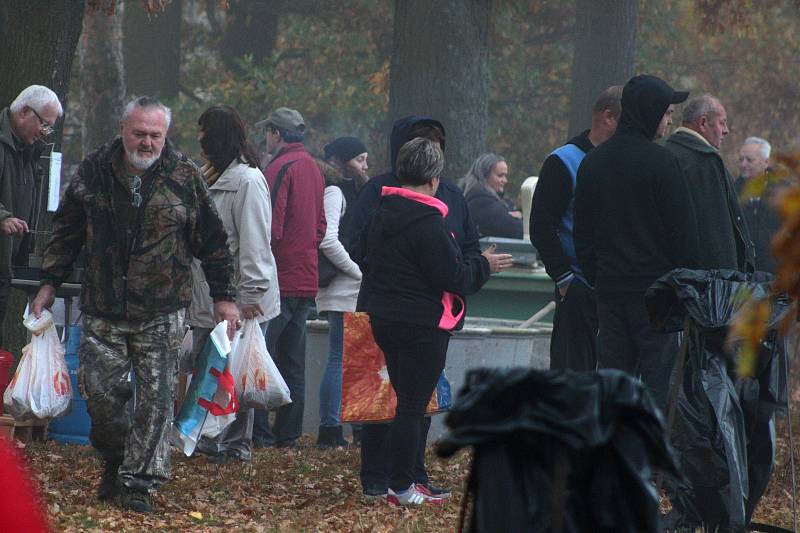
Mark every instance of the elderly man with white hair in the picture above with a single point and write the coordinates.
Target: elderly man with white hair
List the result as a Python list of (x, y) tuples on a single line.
[(29, 118), (762, 219), (141, 212), (724, 237)]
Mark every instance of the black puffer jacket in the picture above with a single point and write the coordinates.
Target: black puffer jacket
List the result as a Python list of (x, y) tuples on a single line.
[(414, 262), (634, 219)]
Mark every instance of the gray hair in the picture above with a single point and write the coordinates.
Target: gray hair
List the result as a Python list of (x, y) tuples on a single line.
[(479, 172), (419, 161), (144, 102), (36, 97), (705, 104), (764, 147)]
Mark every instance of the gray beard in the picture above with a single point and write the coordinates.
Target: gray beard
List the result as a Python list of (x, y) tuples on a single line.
[(140, 163)]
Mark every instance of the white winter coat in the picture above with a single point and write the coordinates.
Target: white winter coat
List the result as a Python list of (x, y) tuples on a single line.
[(342, 293), (242, 200)]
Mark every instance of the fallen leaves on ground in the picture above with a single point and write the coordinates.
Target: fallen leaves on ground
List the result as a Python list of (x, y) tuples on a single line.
[(283, 491)]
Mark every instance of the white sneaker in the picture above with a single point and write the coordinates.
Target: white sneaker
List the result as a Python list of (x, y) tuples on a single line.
[(410, 496)]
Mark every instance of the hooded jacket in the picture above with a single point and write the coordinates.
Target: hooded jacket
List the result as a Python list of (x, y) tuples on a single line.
[(416, 271), (726, 240), (458, 220), (634, 219)]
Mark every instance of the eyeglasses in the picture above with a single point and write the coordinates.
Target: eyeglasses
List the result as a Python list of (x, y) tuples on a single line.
[(47, 129), (136, 184)]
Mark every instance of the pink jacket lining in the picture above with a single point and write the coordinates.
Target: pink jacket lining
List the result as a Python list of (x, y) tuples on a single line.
[(448, 320)]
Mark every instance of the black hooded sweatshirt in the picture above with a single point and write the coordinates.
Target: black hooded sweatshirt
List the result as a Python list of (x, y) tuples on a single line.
[(634, 219), (415, 266)]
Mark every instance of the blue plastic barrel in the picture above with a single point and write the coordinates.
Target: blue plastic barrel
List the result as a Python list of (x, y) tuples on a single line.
[(75, 426)]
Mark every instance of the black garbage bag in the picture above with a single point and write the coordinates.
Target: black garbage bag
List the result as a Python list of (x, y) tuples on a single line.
[(559, 450), (724, 426)]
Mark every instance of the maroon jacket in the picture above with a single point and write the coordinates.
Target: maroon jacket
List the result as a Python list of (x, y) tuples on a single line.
[(298, 220)]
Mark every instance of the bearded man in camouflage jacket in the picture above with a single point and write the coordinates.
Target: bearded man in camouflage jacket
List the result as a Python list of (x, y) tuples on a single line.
[(141, 211)]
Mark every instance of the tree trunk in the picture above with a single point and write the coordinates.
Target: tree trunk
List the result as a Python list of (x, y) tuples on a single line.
[(102, 87), (38, 39), (605, 45), (152, 50), (440, 67)]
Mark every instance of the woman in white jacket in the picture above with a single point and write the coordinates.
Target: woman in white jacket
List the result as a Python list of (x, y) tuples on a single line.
[(240, 194), (344, 175)]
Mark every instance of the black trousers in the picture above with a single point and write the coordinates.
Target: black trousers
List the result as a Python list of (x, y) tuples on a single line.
[(415, 357), (626, 341), (574, 339)]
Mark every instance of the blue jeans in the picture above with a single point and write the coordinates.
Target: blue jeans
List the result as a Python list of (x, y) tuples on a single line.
[(286, 342), (330, 388)]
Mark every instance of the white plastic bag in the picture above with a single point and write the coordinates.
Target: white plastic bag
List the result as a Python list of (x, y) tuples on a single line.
[(41, 387), (258, 382)]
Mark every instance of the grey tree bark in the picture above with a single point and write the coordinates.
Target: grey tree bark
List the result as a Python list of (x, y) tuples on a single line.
[(605, 46), (152, 50), (38, 40), (440, 67), (102, 87)]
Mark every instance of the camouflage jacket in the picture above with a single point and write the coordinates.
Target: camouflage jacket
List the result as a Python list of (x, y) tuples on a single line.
[(139, 266)]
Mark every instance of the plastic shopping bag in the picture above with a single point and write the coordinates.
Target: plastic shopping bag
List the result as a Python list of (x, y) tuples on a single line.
[(367, 393), (211, 394), (41, 387), (258, 381)]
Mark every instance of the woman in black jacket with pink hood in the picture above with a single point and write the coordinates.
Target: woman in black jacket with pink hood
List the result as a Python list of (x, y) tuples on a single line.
[(417, 274)]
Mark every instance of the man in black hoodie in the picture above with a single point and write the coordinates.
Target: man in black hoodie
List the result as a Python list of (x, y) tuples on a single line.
[(374, 477), (634, 222)]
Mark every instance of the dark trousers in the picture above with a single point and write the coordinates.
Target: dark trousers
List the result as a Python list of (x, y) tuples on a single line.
[(626, 341), (374, 457), (574, 339), (415, 357), (5, 292), (286, 342)]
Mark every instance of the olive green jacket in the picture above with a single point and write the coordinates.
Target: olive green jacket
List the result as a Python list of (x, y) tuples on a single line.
[(138, 266), (17, 182)]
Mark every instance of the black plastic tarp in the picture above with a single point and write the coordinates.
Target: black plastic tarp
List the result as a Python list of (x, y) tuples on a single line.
[(597, 435), (724, 426)]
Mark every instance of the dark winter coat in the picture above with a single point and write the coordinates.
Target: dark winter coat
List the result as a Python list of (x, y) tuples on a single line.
[(491, 214), (763, 222), (634, 219), (725, 241), (138, 262), (298, 220), (552, 198), (19, 187), (416, 271)]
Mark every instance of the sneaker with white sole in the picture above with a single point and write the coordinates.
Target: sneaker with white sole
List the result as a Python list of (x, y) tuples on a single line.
[(411, 497), (433, 491)]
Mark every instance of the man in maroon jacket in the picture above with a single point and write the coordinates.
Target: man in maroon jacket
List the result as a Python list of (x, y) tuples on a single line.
[(298, 225)]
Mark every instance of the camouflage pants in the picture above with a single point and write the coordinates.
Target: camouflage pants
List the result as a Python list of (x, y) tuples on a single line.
[(110, 351)]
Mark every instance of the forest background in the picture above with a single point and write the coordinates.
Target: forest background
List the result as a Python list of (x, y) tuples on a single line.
[(333, 62)]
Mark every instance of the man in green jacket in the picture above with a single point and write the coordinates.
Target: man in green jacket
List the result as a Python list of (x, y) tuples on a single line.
[(28, 120), (724, 238), (141, 212)]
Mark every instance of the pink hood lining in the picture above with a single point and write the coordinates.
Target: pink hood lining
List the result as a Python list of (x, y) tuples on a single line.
[(416, 196)]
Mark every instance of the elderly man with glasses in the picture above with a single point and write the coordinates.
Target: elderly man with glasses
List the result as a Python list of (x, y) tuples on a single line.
[(23, 125)]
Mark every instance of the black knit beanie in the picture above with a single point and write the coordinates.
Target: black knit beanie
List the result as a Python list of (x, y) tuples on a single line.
[(345, 148)]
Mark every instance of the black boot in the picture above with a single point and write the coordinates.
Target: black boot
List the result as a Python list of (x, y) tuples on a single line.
[(109, 483), (330, 437), (136, 500)]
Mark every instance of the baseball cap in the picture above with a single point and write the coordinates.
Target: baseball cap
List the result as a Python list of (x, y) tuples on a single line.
[(283, 118)]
